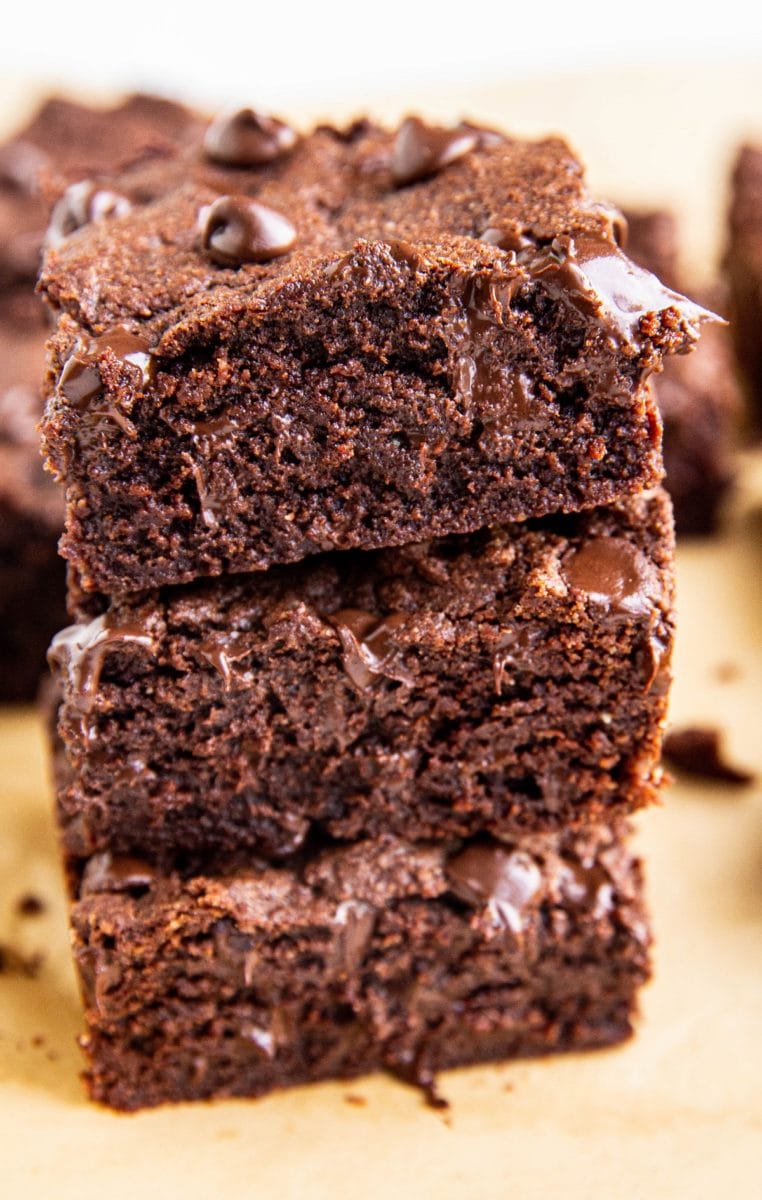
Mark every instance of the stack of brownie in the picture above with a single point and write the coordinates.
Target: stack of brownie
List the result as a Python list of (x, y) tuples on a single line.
[(372, 578)]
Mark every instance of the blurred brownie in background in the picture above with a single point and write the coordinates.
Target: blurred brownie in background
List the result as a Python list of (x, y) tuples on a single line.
[(50, 166), (743, 268), (697, 394), (31, 509)]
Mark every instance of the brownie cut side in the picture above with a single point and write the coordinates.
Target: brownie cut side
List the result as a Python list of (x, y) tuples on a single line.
[(382, 955), (509, 680), (403, 359)]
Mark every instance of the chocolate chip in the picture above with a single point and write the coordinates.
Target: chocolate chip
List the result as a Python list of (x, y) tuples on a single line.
[(236, 230), (697, 751), (247, 139), (80, 204), (422, 150), (30, 905)]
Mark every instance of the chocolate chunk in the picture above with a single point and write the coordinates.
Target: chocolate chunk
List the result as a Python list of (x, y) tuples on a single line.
[(506, 881), (80, 204), (613, 573), (80, 380), (422, 150), (697, 751), (236, 230), (247, 139)]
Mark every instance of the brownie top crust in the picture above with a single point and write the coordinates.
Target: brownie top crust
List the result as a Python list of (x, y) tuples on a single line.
[(463, 200)]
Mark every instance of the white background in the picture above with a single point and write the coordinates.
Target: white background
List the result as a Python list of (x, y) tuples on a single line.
[(294, 55)]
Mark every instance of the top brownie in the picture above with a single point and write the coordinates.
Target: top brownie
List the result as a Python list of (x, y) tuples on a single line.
[(349, 339)]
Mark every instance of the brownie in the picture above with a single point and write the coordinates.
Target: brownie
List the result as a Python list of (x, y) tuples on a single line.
[(697, 395), (381, 955), (508, 680), (369, 339), (32, 604), (743, 269), (62, 143), (67, 143)]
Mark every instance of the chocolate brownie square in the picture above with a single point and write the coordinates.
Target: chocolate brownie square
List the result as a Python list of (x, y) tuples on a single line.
[(32, 604), (743, 267), (370, 339), (65, 143), (381, 955), (509, 680), (51, 164), (697, 394)]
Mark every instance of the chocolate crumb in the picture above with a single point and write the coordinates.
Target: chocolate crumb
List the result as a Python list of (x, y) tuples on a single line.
[(696, 751), (727, 672), (14, 963), (30, 905), (354, 1099)]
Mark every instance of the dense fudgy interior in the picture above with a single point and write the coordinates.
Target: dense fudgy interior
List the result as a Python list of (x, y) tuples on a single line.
[(382, 955), (475, 683), (397, 375)]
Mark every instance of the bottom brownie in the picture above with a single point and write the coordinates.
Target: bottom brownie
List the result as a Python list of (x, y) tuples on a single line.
[(381, 955)]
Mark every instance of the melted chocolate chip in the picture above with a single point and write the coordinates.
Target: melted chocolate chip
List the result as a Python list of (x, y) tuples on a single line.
[(80, 380), (370, 651), (247, 139), (698, 751), (613, 573), (81, 204), (503, 399), (355, 922), (507, 237), (223, 650), (422, 150), (237, 230), (80, 650), (506, 881), (514, 652), (591, 273), (587, 886), (116, 873)]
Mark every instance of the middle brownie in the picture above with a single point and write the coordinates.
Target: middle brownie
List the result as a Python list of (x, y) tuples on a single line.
[(509, 680)]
